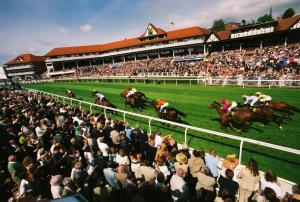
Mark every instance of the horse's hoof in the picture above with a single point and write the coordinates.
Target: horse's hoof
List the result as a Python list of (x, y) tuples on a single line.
[(280, 127)]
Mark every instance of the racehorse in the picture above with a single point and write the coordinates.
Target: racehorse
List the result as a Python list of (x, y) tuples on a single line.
[(283, 108), (135, 100), (169, 113), (246, 116), (103, 102), (70, 95)]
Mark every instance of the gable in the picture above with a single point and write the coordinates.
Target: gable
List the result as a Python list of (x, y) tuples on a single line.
[(212, 38), (150, 31), (297, 25)]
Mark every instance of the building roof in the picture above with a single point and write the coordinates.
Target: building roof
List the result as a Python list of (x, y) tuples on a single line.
[(284, 24), (170, 35), (26, 58), (158, 30)]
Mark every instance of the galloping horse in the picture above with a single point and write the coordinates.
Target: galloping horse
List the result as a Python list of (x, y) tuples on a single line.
[(283, 108), (103, 102), (169, 113), (70, 94), (134, 100), (245, 116)]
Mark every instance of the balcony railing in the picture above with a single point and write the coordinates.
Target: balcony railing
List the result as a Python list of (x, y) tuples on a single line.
[(21, 73), (19, 67), (134, 50)]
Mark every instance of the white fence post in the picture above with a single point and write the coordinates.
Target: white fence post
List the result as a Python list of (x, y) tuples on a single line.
[(241, 151), (185, 135), (105, 115), (124, 116), (150, 131)]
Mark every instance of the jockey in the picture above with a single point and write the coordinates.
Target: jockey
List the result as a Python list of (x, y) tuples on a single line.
[(249, 99), (99, 95), (263, 98), (228, 105), (161, 104), (131, 92), (69, 91)]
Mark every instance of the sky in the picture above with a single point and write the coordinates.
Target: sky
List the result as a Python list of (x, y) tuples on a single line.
[(37, 26)]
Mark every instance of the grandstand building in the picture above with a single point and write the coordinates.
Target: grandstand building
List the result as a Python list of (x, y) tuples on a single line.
[(25, 67), (156, 42)]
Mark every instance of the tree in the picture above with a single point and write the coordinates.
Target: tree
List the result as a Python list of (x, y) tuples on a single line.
[(264, 18), (288, 13), (218, 25)]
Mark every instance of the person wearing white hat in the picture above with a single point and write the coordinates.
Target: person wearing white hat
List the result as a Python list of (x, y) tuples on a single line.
[(249, 99), (263, 98)]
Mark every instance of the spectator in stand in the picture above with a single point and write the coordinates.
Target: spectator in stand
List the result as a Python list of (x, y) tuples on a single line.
[(248, 179), (196, 163), (212, 161), (270, 180), (228, 187), (179, 188)]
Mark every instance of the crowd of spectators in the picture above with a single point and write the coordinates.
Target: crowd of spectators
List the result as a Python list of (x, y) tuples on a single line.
[(52, 150), (269, 62)]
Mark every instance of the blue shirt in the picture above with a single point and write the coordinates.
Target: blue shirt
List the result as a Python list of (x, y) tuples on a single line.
[(128, 133), (212, 163), (109, 175)]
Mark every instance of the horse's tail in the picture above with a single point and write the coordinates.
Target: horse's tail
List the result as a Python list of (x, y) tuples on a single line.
[(180, 113), (290, 107)]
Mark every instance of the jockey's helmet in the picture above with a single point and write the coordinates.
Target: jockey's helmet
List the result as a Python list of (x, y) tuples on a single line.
[(223, 100), (244, 97)]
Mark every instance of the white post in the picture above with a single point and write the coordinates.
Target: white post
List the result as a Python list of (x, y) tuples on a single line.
[(261, 45), (124, 116), (185, 135), (105, 115), (150, 126), (285, 41), (241, 150)]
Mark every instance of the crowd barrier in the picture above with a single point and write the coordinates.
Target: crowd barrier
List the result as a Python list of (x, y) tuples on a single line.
[(190, 80), (286, 184)]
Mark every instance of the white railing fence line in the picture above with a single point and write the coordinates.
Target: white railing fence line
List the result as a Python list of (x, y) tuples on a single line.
[(184, 126), (191, 80)]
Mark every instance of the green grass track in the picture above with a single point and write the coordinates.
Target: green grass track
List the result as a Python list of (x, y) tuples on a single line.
[(194, 101)]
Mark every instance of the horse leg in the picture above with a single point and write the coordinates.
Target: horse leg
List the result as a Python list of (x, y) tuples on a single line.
[(234, 128)]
